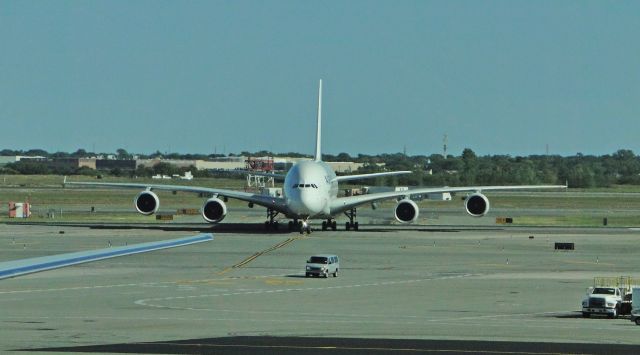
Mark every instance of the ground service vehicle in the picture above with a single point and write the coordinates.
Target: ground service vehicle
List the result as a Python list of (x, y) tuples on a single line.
[(610, 296), (322, 265), (635, 316), (635, 311)]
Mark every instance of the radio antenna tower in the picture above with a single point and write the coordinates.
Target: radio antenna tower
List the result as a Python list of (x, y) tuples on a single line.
[(444, 146)]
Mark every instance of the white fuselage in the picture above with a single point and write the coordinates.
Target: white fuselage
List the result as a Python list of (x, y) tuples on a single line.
[(309, 187)]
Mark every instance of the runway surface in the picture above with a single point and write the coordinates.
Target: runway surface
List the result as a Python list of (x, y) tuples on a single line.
[(486, 288)]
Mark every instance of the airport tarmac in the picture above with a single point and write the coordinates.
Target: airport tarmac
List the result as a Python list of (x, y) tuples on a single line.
[(487, 283)]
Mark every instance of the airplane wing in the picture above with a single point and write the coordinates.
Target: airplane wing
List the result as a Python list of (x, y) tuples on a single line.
[(275, 203), (367, 176), (28, 266), (345, 203)]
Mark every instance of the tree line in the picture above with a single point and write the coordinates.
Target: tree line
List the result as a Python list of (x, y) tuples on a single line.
[(584, 171), (580, 171)]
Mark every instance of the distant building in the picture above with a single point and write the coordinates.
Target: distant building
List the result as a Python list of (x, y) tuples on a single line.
[(8, 159), (109, 164), (150, 163), (219, 165), (71, 163)]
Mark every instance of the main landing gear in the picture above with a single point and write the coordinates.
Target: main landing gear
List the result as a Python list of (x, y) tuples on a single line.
[(329, 223), (304, 226), (352, 224), (271, 224), (295, 224)]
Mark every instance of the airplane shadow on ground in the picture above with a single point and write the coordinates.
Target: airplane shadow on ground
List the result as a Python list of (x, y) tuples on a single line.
[(258, 228), (248, 228), (332, 345)]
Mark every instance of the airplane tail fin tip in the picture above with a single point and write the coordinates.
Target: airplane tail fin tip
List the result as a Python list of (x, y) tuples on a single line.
[(318, 156)]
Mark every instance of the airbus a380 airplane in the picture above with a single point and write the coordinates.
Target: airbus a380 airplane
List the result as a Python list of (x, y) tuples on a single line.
[(311, 192)]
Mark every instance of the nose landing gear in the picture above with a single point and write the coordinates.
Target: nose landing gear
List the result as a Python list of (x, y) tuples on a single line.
[(305, 227)]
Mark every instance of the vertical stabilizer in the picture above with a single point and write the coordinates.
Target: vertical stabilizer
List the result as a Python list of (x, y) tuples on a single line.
[(319, 128)]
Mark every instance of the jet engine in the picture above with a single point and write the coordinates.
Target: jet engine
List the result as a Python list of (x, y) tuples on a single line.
[(476, 204), (147, 202), (214, 210), (406, 211)]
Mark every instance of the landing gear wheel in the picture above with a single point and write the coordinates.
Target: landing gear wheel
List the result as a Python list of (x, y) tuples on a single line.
[(271, 223), (334, 225), (352, 224), (614, 314), (348, 226), (324, 225), (305, 227)]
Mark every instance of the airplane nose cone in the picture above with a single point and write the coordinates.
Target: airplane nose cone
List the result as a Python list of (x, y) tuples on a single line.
[(312, 203)]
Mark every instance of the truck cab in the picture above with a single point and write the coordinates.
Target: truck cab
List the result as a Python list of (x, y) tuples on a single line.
[(602, 301)]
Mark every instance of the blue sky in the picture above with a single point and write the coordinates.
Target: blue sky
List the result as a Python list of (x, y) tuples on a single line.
[(499, 77)]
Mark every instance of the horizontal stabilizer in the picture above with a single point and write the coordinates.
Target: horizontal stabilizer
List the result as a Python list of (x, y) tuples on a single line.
[(27, 266)]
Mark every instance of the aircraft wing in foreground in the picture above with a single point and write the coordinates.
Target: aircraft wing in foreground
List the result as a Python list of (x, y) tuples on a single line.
[(28, 266)]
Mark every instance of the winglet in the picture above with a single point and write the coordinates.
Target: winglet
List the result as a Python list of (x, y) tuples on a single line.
[(318, 156)]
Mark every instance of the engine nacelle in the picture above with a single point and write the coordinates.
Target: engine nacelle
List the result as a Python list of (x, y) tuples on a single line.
[(406, 211), (214, 210), (476, 204), (147, 203)]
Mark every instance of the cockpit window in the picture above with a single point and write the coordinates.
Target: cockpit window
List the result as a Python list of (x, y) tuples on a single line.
[(302, 186)]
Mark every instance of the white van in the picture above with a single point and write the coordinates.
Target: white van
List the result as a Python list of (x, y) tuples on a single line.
[(322, 265)]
